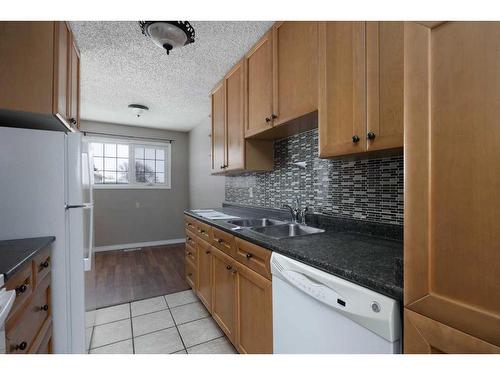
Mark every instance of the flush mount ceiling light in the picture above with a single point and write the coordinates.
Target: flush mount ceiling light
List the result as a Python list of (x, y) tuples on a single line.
[(168, 34), (138, 109)]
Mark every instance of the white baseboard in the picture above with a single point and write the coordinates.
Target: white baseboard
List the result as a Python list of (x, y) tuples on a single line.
[(139, 244)]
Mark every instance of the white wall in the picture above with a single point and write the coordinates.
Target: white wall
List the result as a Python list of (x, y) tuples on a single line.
[(205, 190)]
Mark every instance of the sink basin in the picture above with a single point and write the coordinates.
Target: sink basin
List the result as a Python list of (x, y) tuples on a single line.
[(264, 222), (287, 230)]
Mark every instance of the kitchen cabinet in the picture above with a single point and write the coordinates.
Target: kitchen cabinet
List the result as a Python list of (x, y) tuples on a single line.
[(28, 328), (44, 95), (296, 70), (451, 187), (360, 87), (254, 312), (234, 283), (224, 293), (230, 151), (204, 285)]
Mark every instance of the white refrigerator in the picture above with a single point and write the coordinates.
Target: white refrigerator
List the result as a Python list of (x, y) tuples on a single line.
[(46, 190)]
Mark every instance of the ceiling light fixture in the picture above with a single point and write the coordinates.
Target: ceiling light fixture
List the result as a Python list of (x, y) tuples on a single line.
[(168, 34), (138, 109)]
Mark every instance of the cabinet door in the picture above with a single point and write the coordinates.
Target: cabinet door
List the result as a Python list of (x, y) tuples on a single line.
[(296, 70), (384, 80), (218, 129), (204, 286), (452, 138), (254, 313), (224, 293), (74, 105), (260, 86), (235, 117), (62, 71), (342, 88)]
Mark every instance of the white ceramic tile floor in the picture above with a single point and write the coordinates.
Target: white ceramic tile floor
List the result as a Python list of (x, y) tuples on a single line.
[(177, 323)]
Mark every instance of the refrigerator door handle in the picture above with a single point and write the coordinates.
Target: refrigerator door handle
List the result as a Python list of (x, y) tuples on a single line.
[(84, 206)]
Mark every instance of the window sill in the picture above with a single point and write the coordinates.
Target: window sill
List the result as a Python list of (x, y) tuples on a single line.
[(129, 187)]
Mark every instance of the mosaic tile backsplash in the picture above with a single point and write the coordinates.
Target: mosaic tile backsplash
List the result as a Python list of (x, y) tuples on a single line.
[(370, 189)]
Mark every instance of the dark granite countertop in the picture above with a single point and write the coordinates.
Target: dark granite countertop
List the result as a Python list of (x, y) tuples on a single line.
[(15, 253), (367, 254)]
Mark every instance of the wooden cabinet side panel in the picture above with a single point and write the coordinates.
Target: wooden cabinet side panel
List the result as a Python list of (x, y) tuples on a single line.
[(74, 98), (296, 69), (26, 66), (218, 129), (342, 88), (385, 83), (62, 70)]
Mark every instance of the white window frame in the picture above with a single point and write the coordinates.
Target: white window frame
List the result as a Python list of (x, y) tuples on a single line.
[(133, 184)]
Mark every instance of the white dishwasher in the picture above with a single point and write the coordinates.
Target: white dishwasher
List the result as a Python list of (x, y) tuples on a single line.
[(317, 313)]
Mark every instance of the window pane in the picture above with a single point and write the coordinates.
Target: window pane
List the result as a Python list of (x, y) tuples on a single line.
[(122, 177), (160, 166), (139, 152), (140, 177), (98, 177), (150, 166), (109, 177), (122, 164), (122, 151), (110, 164), (139, 166), (160, 178), (149, 153), (97, 149), (110, 150), (160, 154), (98, 163), (150, 177)]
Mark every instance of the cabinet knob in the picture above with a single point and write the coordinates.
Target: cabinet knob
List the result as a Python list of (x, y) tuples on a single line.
[(228, 267), (220, 240), (188, 252), (22, 346), (248, 255), (273, 116), (44, 308), (21, 289), (370, 135), (190, 274), (222, 167), (355, 139), (72, 121), (45, 264), (268, 119), (207, 252)]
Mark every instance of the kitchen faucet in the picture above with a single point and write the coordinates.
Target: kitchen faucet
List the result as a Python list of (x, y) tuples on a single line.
[(298, 214)]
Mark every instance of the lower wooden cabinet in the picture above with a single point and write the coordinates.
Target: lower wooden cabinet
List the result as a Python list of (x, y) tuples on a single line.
[(254, 312), (224, 293), (234, 287)]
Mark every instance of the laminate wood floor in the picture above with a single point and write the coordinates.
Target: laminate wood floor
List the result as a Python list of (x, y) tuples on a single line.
[(125, 276)]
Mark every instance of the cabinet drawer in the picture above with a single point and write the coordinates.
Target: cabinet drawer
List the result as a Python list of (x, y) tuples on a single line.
[(204, 231), (190, 274), (255, 257), (190, 239), (43, 342), (190, 223), (41, 265), (191, 253), (22, 283), (21, 329), (223, 241)]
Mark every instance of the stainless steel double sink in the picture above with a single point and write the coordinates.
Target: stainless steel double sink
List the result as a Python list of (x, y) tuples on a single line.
[(274, 228)]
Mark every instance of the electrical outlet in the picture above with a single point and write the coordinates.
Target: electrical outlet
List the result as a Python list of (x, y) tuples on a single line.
[(250, 191)]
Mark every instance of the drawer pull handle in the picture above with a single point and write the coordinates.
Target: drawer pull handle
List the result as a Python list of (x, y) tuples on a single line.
[(248, 255), (22, 346), (220, 240), (202, 231), (228, 267), (188, 253), (45, 264), (44, 308), (21, 289), (190, 274), (207, 252)]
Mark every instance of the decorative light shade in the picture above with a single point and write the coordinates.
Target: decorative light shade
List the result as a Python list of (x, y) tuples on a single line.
[(138, 109), (168, 34)]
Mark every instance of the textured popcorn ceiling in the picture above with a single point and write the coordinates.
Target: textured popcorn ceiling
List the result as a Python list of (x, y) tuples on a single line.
[(120, 66)]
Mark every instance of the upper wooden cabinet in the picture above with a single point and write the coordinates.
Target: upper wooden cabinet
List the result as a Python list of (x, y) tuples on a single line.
[(39, 75), (295, 70), (452, 143), (259, 62), (230, 151), (360, 87)]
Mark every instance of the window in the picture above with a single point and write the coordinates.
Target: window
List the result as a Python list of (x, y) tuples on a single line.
[(130, 165)]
